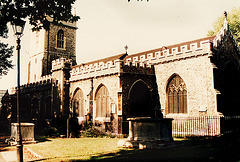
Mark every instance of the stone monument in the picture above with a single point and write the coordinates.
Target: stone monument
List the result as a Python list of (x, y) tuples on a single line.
[(147, 132), (27, 132)]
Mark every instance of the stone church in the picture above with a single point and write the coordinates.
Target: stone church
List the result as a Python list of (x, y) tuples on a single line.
[(196, 83)]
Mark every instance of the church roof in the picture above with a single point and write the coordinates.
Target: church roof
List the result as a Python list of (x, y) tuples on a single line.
[(126, 56)]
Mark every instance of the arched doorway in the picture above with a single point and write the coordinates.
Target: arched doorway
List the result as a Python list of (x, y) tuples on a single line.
[(102, 102), (78, 104), (140, 100), (176, 95), (35, 108), (48, 108), (231, 90)]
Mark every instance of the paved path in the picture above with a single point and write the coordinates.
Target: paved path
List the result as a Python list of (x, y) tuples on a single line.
[(5, 154), (8, 156), (1, 158)]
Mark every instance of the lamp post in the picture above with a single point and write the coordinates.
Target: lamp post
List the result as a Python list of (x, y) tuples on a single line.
[(18, 27)]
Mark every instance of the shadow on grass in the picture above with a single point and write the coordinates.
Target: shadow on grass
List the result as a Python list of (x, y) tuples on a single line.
[(224, 148)]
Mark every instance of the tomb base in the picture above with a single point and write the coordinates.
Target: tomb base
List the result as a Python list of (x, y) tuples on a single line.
[(146, 132), (27, 132)]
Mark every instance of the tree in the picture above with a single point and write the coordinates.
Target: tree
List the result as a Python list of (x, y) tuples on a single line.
[(233, 18), (5, 54), (37, 12), (5, 51)]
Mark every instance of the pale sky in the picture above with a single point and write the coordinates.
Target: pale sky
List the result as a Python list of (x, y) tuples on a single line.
[(106, 26)]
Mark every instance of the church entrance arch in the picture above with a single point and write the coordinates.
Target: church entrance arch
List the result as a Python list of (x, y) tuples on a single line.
[(231, 90), (35, 108), (48, 108), (140, 100)]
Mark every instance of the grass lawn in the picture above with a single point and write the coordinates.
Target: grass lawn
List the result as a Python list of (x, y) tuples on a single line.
[(58, 149), (226, 148)]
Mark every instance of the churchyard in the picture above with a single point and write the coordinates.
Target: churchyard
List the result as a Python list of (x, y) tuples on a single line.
[(223, 148)]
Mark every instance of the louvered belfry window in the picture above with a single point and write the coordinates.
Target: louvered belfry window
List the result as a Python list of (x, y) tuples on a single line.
[(60, 39), (102, 102), (176, 95), (78, 103)]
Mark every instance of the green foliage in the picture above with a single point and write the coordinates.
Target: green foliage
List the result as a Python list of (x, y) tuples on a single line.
[(36, 11), (5, 54), (91, 131), (233, 21), (51, 132)]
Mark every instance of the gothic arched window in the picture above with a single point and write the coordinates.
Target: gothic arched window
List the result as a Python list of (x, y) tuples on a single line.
[(176, 95), (78, 104), (60, 39), (102, 102)]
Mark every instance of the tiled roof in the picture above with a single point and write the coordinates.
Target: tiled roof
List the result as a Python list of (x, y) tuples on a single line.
[(124, 56)]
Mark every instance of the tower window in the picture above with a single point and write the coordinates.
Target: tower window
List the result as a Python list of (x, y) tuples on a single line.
[(60, 39)]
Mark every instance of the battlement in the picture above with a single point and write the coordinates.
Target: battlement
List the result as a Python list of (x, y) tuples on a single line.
[(45, 77), (174, 52), (108, 68), (140, 62), (138, 68), (95, 69), (59, 63), (45, 81)]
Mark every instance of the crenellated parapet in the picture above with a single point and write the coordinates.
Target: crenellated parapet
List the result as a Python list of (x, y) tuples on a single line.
[(140, 63), (45, 77), (38, 84), (96, 69), (138, 68), (59, 64), (117, 66), (173, 52)]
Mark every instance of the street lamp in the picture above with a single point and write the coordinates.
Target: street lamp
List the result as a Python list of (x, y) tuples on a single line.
[(18, 27)]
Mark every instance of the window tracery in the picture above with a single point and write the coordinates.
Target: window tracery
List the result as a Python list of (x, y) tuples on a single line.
[(176, 95), (102, 102)]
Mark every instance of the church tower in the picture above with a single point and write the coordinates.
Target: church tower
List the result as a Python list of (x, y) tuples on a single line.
[(46, 46)]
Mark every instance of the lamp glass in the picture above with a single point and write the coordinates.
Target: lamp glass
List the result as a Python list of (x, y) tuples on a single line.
[(18, 27)]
